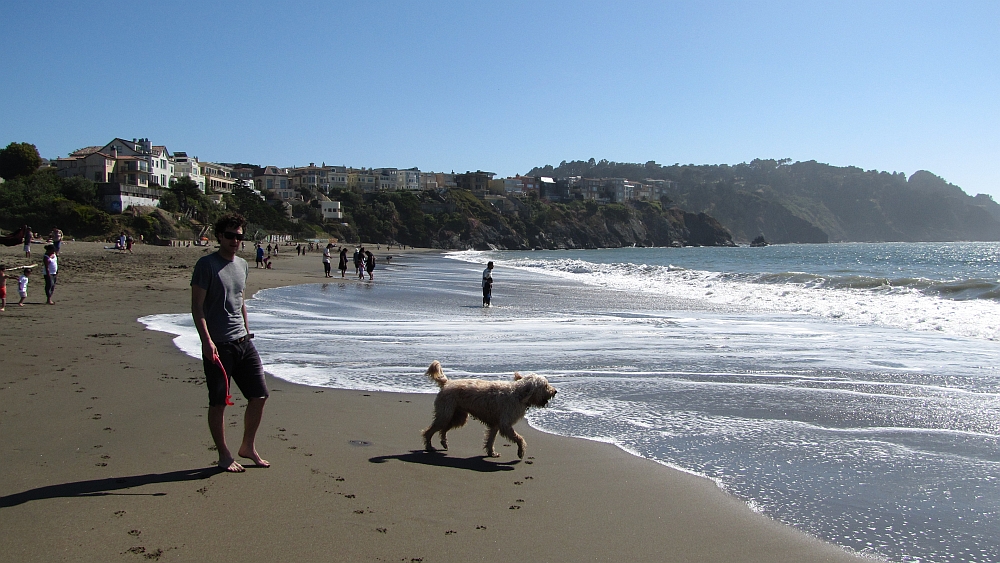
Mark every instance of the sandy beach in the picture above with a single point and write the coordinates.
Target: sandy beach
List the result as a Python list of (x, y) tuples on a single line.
[(107, 454)]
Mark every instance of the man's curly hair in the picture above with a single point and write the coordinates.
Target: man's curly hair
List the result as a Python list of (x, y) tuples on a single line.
[(230, 221)]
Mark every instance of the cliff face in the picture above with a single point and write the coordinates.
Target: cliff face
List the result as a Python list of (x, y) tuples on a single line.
[(457, 220), (811, 201)]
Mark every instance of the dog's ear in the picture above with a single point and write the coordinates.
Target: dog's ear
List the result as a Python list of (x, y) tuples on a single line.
[(525, 389), (517, 376)]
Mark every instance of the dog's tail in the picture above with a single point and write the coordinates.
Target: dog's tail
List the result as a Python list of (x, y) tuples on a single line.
[(434, 372)]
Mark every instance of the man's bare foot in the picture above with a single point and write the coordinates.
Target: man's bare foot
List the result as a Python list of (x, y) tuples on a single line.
[(255, 457), (231, 466)]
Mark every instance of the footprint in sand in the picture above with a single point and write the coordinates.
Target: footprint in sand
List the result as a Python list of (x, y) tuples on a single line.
[(518, 482), (480, 527), (450, 532), (381, 530), (134, 533), (119, 513)]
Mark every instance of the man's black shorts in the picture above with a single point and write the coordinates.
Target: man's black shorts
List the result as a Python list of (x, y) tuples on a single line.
[(243, 365)]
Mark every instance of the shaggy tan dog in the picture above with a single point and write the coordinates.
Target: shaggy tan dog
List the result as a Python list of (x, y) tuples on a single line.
[(497, 404)]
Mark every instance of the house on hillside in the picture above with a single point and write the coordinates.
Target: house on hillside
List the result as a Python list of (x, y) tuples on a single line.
[(189, 167), (121, 171)]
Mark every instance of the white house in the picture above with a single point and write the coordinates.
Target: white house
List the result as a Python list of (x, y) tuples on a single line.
[(331, 210), (188, 167)]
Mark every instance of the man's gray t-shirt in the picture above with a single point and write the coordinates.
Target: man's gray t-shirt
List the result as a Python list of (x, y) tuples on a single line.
[(223, 282)]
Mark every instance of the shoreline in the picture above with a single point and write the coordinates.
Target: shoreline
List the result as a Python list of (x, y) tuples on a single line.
[(105, 423)]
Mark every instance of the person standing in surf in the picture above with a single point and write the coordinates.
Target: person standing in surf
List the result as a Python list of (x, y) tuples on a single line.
[(343, 262), (487, 284), (326, 261), (220, 315)]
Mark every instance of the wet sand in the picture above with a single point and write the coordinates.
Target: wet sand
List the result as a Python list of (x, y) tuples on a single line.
[(107, 454)]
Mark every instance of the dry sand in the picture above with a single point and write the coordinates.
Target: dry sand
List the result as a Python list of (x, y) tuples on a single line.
[(107, 455)]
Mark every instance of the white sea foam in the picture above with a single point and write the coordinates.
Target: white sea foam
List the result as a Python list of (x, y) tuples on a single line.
[(899, 307)]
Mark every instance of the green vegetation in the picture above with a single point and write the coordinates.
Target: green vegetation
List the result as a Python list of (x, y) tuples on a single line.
[(44, 200), (19, 159)]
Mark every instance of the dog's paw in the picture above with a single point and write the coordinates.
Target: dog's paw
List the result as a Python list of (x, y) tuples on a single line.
[(492, 454)]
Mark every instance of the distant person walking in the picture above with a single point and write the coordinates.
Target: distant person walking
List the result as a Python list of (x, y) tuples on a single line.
[(488, 284), (27, 241), (370, 264), (260, 256), (57, 237), (342, 266), (326, 261), (51, 264), (227, 349), (357, 261)]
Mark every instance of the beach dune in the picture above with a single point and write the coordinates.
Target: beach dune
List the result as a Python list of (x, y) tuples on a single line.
[(108, 456)]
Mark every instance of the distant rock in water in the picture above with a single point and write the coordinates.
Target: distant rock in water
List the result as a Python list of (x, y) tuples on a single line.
[(759, 241)]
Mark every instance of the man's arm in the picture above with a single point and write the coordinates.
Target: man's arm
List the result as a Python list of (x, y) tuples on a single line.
[(208, 350), (246, 323)]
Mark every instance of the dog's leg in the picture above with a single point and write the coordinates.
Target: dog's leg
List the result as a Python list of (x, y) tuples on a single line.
[(444, 411), (428, 434), (509, 433), (491, 437), (457, 421)]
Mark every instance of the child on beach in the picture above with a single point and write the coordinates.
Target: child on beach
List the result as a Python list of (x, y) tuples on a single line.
[(22, 286), (3, 287)]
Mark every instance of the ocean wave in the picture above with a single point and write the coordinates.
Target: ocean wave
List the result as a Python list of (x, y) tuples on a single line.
[(961, 307)]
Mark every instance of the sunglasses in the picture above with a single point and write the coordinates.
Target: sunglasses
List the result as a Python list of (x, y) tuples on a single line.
[(231, 235)]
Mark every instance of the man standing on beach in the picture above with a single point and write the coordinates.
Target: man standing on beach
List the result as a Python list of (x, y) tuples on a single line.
[(487, 284), (220, 316), (27, 240)]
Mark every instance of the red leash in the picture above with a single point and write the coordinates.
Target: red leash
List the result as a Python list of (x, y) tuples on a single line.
[(229, 398)]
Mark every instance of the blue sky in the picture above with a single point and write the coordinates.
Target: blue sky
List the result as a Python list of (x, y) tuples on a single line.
[(503, 87)]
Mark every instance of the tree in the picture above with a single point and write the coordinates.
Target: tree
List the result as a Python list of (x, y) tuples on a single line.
[(19, 159)]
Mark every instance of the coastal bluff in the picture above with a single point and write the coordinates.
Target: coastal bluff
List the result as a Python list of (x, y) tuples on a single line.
[(458, 220)]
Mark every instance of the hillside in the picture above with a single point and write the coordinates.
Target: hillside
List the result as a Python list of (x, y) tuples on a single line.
[(456, 219), (811, 201), (449, 219)]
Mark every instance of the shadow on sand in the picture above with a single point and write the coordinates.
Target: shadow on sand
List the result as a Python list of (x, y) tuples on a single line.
[(477, 463), (106, 487)]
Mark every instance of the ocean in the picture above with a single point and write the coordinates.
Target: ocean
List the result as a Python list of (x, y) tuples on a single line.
[(848, 390)]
